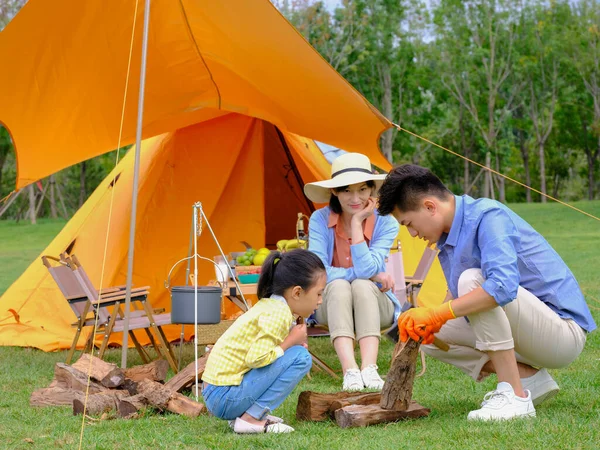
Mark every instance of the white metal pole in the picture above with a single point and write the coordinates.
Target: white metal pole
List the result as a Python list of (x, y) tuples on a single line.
[(136, 175), (196, 207)]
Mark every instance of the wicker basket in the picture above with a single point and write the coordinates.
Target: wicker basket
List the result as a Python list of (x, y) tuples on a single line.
[(208, 334)]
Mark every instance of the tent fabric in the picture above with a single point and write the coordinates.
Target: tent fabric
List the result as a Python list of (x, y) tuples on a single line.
[(240, 170), (63, 81)]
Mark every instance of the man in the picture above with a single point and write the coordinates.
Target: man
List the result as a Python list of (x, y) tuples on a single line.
[(513, 307)]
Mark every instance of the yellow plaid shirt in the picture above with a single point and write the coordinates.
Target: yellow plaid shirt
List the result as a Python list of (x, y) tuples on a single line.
[(251, 342)]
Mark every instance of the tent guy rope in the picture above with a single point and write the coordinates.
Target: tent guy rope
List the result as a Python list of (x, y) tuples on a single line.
[(495, 172), (109, 219)]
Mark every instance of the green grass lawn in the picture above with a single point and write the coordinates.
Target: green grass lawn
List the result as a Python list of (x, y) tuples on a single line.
[(571, 420)]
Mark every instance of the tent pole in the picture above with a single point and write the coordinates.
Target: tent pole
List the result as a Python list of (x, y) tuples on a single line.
[(136, 176)]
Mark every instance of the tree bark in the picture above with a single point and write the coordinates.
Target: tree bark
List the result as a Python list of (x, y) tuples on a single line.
[(154, 371), (187, 377), (109, 375), (54, 396), (98, 403), (69, 377), (362, 416), (314, 406), (397, 389)]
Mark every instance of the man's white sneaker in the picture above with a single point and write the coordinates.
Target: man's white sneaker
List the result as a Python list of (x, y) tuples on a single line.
[(371, 378), (503, 404), (353, 380), (541, 385)]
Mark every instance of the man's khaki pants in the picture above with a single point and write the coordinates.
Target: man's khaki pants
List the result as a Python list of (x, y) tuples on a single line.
[(538, 335), (355, 310)]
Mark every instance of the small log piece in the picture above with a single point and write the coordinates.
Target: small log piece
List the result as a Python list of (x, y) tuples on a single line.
[(187, 377), (181, 404), (108, 374), (71, 378), (54, 396), (364, 415), (315, 406), (98, 403), (131, 405), (155, 371), (161, 397), (397, 389), (372, 398)]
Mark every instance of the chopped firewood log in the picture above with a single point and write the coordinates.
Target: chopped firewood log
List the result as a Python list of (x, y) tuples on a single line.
[(364, 415), (108, 374), (397, 389), (183, 405), (130, 386), (71, 378), (131, 405), (102, 402), (155, 371), (158, 395), (187, 377), (161, 397), (315, 406), (372, 398), (54, 396)]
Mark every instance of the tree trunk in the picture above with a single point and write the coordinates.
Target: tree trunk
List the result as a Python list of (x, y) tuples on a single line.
[(53, 211), (31, 212), (590, 163), (542, 171), (387, 138), (82, 184), (525, 156), (487, 180)]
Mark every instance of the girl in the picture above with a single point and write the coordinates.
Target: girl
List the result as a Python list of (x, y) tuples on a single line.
[(259, 360), (353, 240)]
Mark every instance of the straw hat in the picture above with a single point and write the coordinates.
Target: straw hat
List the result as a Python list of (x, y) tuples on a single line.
[(347, 169)]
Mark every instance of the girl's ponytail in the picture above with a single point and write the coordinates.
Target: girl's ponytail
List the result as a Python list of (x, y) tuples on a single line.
[(281, 271), (267, 275)]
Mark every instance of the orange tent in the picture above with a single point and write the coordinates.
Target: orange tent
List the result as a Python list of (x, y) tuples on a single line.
[(228, 85), (65, 69)]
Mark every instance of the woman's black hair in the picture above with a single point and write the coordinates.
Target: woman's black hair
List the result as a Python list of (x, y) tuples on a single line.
[(281, 271), (334, 202)]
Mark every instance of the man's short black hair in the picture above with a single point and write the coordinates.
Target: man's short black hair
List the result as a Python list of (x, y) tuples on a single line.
[(334, 202), (404, 187)]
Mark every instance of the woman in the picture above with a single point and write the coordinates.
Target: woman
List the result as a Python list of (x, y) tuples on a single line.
[(353, 241)]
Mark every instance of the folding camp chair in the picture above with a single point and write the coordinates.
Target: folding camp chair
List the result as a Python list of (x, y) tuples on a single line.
[(92, 310), (408, 287)]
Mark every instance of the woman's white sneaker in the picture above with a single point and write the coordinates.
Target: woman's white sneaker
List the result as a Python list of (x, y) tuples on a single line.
[(503, 404), (371, 378), (541, 385), (353, 381)]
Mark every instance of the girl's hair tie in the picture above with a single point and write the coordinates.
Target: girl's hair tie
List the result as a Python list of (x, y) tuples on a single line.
[(276, 260)]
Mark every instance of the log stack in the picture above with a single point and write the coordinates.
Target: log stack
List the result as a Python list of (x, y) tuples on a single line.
[(352, 409), (109, 389)]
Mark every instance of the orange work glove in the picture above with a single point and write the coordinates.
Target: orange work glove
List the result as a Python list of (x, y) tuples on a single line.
[(423, 323)]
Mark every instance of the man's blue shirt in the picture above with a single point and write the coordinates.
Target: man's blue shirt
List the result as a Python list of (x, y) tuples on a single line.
[(487, 235)]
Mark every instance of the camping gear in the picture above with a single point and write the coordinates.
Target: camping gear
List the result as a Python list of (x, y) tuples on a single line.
[(209, 304), (215, 124)]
